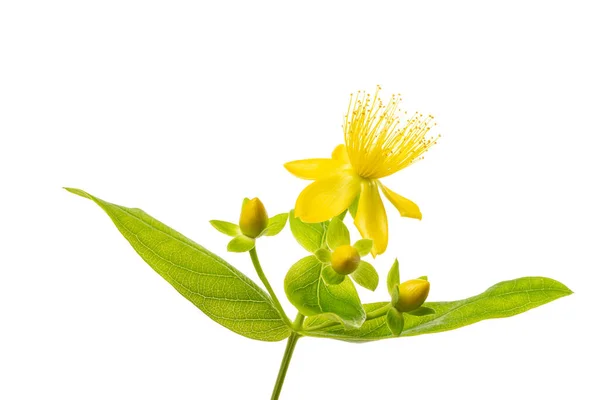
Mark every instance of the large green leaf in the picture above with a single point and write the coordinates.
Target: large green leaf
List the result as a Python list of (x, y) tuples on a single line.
[(306, 289), (215, 287), (502, 300)]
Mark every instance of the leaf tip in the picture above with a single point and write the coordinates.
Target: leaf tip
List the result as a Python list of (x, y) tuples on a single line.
[(561, 286), (78, 192)]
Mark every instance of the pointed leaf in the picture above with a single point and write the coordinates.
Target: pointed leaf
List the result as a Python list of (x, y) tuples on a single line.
[(309, 236), (366, 276), (306, 290), (504, 299), (395, 321), (241, 244), (337, 234), (331, 277), (225, 227), (210, 283), (393, 278), (363, 246), (276, 224)]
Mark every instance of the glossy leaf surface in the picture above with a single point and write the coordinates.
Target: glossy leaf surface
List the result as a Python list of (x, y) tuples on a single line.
[(504, 299), (306, 289), (209, 282)]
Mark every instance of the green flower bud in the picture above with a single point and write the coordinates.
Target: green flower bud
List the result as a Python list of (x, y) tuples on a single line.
[(345, 260), (412, 294), (253, 218)]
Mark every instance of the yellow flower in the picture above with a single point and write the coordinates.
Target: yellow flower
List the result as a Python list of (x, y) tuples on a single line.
[(378, 143)]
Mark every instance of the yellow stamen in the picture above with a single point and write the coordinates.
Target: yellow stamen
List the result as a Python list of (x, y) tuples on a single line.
[(379, 143)]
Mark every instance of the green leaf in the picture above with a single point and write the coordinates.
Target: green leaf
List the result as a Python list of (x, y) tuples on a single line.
[(366, 276), (424, 277), (210, 283), (395, 295), (337, 234), (354, 207), (363, 246), (276, 224), (307, 291), (241, 244), (504, 299), (395, 321), (225, 227), (331, 277), (393, 278), (309, 236), (422, 311), (323, 255)]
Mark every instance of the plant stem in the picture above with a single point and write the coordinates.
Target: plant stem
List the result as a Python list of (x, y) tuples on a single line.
[(265, 281), (287, 356)]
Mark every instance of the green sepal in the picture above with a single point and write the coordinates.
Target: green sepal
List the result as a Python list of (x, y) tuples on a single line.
[(366, 276), (354, 206), (323, 255), (306, 290), (422, 311), (276, 225), (309, 236), (337, 234), (395, 295), (424, 277), (331, 277), (363, 246), (395, 321), (241, 244), (227, 228), (393, 279)]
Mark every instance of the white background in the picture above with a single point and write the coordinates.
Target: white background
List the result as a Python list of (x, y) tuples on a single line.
[(183, 108)]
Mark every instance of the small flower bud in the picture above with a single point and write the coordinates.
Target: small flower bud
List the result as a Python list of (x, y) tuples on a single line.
[(345, 260), (253, 218), (412, 294)]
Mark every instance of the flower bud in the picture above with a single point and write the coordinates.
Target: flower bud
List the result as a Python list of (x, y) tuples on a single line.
[(253, 218), (412, 294), (345, 260)]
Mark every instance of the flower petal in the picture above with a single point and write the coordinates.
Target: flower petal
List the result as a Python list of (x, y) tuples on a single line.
[(328, 197), (341, 154), (313, 168), (371, 219), (406, 207)]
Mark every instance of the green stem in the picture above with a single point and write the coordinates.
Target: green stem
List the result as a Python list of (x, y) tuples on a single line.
[(287, 356), (265, 281)]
